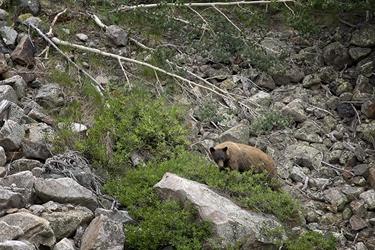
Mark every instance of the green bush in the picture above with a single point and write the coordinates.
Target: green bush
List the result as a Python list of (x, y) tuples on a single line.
[(307, 16), (311, 240), (135, 121), (159, 223), (268, 121)]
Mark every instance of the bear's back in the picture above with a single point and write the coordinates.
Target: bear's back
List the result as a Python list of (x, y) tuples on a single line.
[(242, 157)]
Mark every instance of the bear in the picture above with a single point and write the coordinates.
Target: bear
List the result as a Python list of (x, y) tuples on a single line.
[(241, 157)]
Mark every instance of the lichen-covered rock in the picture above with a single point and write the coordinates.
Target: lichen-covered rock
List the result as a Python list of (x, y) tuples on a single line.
[(364, 36)]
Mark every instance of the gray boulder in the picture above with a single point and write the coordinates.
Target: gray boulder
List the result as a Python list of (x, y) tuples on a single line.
[(11, 135), (36, 230), (103, 233), (231, 223), (65, 190)]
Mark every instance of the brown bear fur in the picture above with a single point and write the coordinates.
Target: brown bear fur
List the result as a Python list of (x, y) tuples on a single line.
[(241, 157)]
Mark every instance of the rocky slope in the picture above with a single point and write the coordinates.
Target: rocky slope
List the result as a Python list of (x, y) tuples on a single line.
[(327, 160)]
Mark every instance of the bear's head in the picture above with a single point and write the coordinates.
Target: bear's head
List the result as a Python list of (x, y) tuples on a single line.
[(220, 156)]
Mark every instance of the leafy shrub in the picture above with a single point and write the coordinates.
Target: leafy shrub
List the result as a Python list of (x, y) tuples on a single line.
[(307, 16), (160, 223), (311, 240), (268, 121), (207, 111), (134, 120)]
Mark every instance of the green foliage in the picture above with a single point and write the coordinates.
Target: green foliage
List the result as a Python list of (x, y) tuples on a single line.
[(207, 111), (308, 15), (165, 223), (160, 223), (253, 191), (268, 121), (311, 240), (134, 120)]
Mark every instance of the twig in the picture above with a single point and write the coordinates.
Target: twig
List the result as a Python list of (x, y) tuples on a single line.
[(226, 17), (50, 33), (204, 20), (97, 86), (356, 112), (103, 26), (339, 169), (126, 7)]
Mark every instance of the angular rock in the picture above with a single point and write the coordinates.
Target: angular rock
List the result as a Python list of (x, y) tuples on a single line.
[(41, 117), (297, 175), (65, 190), (335, 197), (18, 84), (265, 81), (8, 93), (117, 35), (3, 15), (371, 178), (121, 216), (11, 135), (96, 234), (296, 110), (8, 232), (367, 65), (364, 36), (311, 80), (358, 53), (337, 55), (343, 86), (239, 133), (357, 223), (24, 165), (361, 169), (36, 230), (369, 198), (231, 223), (302, 155), (24, 52), (64, 244), (261, 98), (16, 114), (27, 6), (10, 199), (82, 37), (366, 131), (9, 36), (35, 146), (363, 89), (15, 245), (65, 223), (358, 207), (3, 157), (327, 74), (3, 64), (50, 96), (312, 56)]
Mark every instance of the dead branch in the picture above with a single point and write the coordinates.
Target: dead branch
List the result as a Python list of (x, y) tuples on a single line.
[(126, 7), (97, 85), (336, 168), (214, 89)]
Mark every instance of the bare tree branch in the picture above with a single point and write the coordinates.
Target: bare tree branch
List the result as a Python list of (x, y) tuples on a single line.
[(97, 85), (126, 7)]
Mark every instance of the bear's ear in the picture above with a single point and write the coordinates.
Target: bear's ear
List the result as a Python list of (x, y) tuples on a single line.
[(212, 149), (225, 149)]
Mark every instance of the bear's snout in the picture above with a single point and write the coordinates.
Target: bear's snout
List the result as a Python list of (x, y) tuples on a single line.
[(220, 164)]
